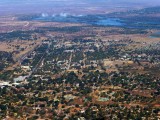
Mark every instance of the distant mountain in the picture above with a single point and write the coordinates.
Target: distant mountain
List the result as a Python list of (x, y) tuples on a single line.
[(143, 12), (39, 6)]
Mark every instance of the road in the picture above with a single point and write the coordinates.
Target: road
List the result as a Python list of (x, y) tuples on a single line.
[(70, 60), (20, 59), (39, 62)]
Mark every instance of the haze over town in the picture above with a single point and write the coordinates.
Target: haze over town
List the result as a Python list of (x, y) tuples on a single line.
[(79, 60)]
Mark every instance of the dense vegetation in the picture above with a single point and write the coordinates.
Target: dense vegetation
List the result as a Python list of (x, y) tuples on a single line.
[(6, 59), (22, 35)]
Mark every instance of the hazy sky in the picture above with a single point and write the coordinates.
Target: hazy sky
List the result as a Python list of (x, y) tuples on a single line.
[(35, 6)]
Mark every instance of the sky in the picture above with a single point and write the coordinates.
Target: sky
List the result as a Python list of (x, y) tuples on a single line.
[(39, 6)]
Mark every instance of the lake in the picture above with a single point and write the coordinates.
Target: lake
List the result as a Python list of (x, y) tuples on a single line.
[(86, 19), (155, 35)]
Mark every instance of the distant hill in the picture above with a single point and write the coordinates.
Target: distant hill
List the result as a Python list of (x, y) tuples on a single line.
[(144, 12), (82, 6)]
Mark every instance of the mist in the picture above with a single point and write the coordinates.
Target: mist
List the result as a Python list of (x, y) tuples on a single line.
[(71, 6)]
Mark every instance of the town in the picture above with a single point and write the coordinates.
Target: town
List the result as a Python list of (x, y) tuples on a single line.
[(80, 67), (72, 79)]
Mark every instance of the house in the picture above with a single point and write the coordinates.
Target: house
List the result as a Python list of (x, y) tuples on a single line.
[(19, 79), (2, 83), (26, 68)]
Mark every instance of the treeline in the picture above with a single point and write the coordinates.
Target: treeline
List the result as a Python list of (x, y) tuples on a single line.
[(6, 59), (22, 35), (62, 29)]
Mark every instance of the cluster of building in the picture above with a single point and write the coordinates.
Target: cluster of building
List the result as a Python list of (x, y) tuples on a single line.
[(82, 80)]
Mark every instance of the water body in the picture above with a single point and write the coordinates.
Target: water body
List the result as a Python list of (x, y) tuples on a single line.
[(109, 21), (86, 19), (155, 35)]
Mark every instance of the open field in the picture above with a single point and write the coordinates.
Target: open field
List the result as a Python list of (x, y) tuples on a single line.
[(10, 24)]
